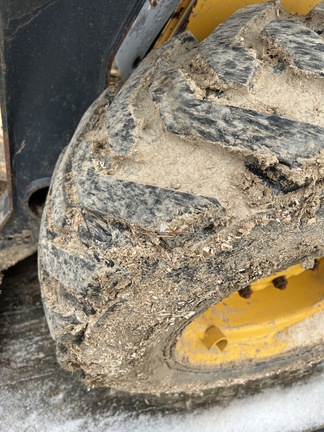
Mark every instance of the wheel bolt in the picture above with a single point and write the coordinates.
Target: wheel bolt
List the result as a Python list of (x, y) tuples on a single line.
[(245, 292), (280, 282)]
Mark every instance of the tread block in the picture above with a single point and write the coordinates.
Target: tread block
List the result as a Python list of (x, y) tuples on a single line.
[(319, 7), (94, 230), (177, 45), (224, 51), (73, 271), (64, 328), (57, 193), (232, 126), (297, 43), (136, 203), (120, 122), (315, 19), (100, 233)]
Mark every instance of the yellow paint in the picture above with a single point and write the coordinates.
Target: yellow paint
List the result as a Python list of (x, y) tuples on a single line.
[(253, 327), (176, 21), (208, 14)]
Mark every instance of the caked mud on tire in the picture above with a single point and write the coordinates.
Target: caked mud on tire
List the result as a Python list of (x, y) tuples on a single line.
[(204, 174)]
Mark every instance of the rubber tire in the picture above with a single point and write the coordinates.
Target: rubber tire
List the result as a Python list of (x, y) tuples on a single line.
[(176, 195)]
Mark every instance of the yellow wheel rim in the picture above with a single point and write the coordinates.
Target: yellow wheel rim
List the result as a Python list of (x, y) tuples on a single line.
[(284, 312)]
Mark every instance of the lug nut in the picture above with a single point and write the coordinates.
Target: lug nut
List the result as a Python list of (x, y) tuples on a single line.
[(245, 292), (316, 265), (280, 282)]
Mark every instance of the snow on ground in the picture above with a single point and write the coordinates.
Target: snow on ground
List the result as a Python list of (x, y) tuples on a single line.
[(36, 395), (299, 408)]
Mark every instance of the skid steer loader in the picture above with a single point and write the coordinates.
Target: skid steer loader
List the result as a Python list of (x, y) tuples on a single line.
[(181, 233)]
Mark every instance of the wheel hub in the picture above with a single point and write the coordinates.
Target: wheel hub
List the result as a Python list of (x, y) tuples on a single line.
[(263, 320)]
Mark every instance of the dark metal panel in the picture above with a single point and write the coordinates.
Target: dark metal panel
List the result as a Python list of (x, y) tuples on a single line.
[(56, 55)]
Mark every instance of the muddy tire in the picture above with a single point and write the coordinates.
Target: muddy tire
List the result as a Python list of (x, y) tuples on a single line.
[(203, 175)]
